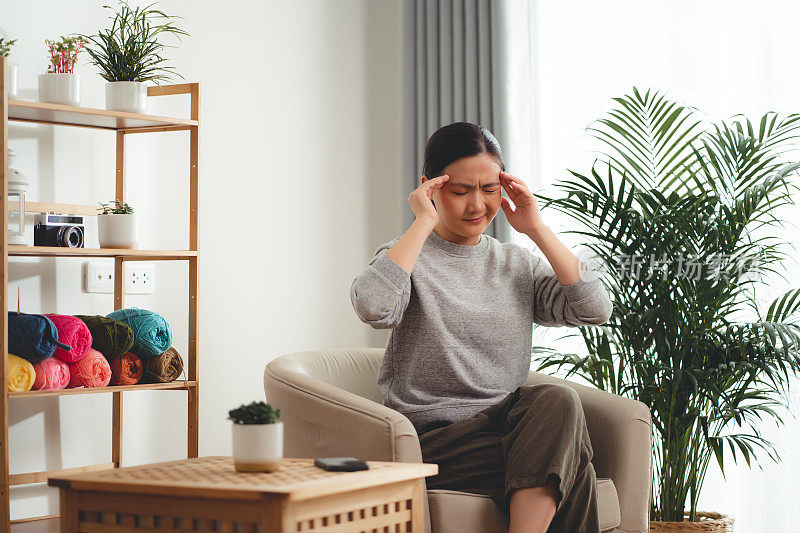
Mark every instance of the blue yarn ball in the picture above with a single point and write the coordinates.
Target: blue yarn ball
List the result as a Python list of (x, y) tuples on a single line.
[(152, 334), (33, 337)]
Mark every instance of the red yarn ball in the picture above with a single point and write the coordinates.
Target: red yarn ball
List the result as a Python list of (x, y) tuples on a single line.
[(73, 332)]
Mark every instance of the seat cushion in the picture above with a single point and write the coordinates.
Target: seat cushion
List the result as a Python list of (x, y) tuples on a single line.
[(461, 512)]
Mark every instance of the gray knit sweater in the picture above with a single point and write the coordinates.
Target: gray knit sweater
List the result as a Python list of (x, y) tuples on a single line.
[(463, 321)]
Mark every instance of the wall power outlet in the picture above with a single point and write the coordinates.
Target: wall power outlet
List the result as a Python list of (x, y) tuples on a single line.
[(139, 277)]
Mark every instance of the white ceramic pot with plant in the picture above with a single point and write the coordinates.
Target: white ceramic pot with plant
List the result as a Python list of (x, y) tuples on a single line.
[(257, 437), (60, 84), (5, 49), (117, 226), (128, 54)]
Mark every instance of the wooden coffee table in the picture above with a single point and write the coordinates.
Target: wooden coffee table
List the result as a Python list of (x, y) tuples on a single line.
[(207, 494)]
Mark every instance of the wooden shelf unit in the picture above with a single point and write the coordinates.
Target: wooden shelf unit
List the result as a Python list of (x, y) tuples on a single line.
[(122, 124)]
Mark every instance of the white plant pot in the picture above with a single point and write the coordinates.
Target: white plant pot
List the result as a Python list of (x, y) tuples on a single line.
[(12, 81), (117, 231), (126, 96), (60, 88), (257, 447)]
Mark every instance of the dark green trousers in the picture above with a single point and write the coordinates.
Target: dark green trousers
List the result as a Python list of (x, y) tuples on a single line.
[(535, 434)]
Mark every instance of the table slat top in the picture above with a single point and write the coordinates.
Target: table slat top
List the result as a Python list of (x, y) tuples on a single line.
[(297, 479)]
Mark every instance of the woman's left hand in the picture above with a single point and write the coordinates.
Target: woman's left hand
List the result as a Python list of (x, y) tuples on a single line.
[(525, 218)]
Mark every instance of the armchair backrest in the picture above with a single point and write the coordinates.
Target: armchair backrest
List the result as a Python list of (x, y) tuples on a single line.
[(352, 369)]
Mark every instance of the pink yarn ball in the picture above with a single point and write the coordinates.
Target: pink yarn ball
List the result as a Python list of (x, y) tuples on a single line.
[(73, 332), (52, 373), (92, 370)]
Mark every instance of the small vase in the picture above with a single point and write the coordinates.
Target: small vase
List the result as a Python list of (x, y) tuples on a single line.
[(126, 96), (60, 88), (257, 447), (117, 231), (12, 81)]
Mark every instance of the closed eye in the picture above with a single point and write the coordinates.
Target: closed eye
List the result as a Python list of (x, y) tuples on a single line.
[(484, 190)]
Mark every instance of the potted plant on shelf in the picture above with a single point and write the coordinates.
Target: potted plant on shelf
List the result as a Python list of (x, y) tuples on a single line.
[(257, 437), (116, 226), (129, 54), (683, 218), (60, 84), (5, 49)]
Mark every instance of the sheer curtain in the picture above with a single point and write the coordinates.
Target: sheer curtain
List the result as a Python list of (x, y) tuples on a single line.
[(566, 60)]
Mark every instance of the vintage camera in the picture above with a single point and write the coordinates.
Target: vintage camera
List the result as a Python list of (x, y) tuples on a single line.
[(51, 229)]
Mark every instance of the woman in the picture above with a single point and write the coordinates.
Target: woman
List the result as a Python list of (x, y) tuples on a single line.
[(463, 306)]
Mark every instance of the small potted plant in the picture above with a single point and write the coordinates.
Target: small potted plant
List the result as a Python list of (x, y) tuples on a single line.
[(60, 84), (116, 226), (5, 49), (257, 437), (129, 54)]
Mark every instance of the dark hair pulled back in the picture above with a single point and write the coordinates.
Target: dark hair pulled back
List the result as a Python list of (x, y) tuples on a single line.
[(454, 141)]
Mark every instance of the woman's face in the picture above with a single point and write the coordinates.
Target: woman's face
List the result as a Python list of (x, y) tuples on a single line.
[(469, 200)]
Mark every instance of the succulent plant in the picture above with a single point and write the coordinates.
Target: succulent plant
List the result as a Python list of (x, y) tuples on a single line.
[(254, 413)]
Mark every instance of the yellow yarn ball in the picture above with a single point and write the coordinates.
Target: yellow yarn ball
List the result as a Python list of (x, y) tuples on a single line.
[(21, 374)]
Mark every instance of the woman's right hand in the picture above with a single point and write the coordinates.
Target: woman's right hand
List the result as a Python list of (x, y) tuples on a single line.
[(420, 199)]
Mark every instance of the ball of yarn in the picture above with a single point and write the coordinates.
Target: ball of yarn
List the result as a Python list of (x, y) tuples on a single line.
[(92, 370), (72, 331), (51, 374), (163, 368), (126, 369), (152, 334), (110, 337), (32, 337), (21, 374)]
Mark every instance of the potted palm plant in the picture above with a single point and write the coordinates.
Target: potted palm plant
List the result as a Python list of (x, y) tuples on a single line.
[(257, 437), (682, 216), (5, 49), (117, 226), (60, 84), (129, 54)]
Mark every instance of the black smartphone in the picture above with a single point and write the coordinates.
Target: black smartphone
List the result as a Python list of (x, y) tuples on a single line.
[(341, 464)]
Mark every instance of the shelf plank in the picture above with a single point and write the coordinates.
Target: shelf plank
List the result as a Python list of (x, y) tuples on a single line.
[(57, 251), (175, 385), (51, 207), (44, 524), (44, 113), (42, 477)]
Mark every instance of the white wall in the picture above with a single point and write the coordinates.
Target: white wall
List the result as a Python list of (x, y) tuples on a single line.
[(300, 182)]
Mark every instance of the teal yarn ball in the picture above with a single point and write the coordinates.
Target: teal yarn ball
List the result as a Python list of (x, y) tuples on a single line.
[(152, 334)]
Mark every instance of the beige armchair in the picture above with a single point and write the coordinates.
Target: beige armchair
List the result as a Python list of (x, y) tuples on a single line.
[(331, 407)]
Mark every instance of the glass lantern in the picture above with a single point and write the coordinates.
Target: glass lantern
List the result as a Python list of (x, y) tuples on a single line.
[(17, 187)]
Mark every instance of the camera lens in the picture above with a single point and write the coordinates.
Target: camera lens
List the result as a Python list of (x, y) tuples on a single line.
[(70, 237)]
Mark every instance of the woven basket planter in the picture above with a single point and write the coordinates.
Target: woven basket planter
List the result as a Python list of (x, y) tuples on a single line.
[(708, 522)]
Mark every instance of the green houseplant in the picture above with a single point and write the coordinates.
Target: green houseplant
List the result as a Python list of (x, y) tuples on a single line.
[(117, 226), (681, 217), (257, 437), (5, 49), (5, 46), (129, 54)]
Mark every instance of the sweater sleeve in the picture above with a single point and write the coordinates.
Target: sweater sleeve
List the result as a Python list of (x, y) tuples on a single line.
[(380, 294), (580, 304)]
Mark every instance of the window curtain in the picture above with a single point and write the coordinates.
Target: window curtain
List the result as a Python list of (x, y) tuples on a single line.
[(455, 69)]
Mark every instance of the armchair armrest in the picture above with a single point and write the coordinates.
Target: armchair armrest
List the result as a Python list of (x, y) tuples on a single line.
[(620, 431), (322, 420)]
